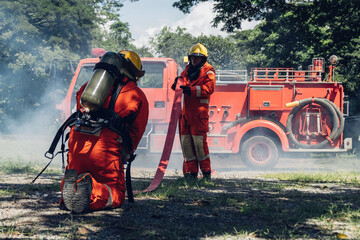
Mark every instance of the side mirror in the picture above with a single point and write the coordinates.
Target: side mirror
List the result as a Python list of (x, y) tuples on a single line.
[(47, 69)]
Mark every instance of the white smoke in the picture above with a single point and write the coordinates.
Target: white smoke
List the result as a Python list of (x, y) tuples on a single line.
[(29, 135)]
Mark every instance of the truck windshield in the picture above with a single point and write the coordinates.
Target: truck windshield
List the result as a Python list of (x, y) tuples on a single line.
[(153, 78), (85, 75)]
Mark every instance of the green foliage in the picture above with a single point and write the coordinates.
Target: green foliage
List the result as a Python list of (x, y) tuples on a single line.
[(223, 52), (64, 23), (111, 33), (293, 32), (114, 39), (173, 44), (142, 51), (40, 43)]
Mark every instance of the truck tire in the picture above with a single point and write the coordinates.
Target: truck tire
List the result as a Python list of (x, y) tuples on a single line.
[(259, 152)]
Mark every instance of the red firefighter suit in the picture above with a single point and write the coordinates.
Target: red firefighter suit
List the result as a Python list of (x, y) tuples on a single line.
[(100, 154), (194, 120)]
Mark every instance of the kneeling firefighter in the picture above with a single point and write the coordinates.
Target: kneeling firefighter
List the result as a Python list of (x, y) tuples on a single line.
[(112, 116)]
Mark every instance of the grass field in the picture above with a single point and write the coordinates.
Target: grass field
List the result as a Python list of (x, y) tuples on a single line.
[(260, 205)]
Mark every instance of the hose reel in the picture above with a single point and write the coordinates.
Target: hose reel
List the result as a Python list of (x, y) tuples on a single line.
[(336, 119)]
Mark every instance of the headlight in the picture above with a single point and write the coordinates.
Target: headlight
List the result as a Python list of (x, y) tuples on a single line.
[(333, 60)]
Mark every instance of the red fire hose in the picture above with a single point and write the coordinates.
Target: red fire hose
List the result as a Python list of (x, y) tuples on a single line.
[(336, 116), (164, 160)]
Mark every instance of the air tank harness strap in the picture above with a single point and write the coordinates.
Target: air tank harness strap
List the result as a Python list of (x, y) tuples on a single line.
[(110, 68), (118, 125), (60, 133)]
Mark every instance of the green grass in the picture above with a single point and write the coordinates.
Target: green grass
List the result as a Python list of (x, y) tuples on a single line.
[(7, 229), (292, 205), (352, 178), (8, 191), (172, 188), (280, 206), (21, 166), (16, 167), (13, 230)]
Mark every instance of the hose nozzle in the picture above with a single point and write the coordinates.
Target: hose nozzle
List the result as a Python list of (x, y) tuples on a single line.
[(292, 104)]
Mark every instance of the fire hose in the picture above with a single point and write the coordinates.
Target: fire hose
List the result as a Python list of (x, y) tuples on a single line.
[(169, 140), (336, 118)]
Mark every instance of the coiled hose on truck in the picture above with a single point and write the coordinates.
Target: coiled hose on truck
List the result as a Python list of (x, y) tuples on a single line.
[(336, 117)]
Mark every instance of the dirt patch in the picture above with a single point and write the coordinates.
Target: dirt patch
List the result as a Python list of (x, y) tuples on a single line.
[(235, 205)]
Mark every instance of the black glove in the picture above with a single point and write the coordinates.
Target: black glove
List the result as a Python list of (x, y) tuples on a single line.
[(186, 90), (174, 84)]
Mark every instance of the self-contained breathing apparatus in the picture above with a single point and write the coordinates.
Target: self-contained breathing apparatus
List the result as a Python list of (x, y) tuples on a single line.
[(109, 74)]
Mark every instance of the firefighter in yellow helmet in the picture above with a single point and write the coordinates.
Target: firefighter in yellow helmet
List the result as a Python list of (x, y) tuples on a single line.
[(199, 84), (94, 177)]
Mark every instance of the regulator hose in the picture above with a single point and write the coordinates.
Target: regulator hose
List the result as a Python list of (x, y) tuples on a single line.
[(335, 117)]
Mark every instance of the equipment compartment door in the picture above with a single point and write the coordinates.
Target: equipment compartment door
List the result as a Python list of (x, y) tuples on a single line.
[(266, 97)]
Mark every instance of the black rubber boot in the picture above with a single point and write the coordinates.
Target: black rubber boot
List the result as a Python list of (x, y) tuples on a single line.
[(191, 176), (68, 192), (81, 199), (207, 176), (62, 206)]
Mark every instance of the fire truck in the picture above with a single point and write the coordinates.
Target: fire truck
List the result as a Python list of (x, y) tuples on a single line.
[(259, 116)]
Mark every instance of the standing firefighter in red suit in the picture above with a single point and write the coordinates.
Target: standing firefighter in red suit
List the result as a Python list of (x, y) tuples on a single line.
[(199, 84), (113, 113)]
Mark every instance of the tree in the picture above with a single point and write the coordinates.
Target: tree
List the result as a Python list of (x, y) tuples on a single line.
[(223, 53), (293, 32), (175, 44), (38, 35)]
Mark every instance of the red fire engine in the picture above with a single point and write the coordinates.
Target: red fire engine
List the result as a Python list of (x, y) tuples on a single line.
[(258, 116)]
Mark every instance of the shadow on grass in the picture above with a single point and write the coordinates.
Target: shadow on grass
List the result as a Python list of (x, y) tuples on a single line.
[(265, 209)]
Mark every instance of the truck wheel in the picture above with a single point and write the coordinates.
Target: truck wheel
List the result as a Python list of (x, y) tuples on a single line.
[(259, 152)]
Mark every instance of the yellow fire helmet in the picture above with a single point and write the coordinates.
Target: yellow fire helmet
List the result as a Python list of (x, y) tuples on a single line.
[(134, 66), (198, 50)]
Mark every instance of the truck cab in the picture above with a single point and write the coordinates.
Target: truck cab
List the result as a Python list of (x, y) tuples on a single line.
[(159, 75)]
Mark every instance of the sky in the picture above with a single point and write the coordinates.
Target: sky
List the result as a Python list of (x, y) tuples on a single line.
[(147, 17)]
